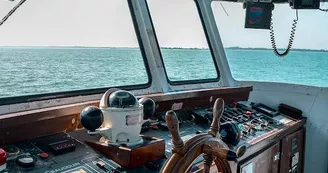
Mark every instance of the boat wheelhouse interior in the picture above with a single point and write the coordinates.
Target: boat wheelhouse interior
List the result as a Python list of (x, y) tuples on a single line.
[(157, 92)]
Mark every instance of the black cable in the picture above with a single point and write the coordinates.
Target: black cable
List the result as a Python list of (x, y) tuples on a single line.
[(11, 12), (291, 38)]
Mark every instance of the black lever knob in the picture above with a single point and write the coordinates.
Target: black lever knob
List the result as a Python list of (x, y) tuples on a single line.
[(230, 133), (149, 107), (25, 161), (91, 118)]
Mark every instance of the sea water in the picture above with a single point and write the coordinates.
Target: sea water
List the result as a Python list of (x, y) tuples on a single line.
[(36, 70)]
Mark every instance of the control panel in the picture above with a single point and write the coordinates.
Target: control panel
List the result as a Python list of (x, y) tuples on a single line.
[(56, 153), (241, 123), (248, 121)]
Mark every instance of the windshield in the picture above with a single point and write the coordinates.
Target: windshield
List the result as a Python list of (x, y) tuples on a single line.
[(182, 40), (249, 51), (60, 46), (55, 46)]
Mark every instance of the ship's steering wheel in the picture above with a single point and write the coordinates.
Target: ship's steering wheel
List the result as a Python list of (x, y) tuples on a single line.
[(210, 145)]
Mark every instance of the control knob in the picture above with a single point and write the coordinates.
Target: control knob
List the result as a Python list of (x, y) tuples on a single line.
[(91, 118), (25, 161), (149, 107), (230, 133)]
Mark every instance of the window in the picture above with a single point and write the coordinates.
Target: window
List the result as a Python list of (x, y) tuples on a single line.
[(182, 40), (57, 45), (249, 51)]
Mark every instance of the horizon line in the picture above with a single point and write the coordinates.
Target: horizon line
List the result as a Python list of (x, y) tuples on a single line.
[(232, 47)]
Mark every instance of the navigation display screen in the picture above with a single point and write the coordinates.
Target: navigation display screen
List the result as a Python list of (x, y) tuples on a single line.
[(258, 15), (255, 15)]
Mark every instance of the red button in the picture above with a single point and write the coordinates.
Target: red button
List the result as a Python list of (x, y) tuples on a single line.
[(3, 157), (234, 104), (154, 127), (44, 155), (249, 113)]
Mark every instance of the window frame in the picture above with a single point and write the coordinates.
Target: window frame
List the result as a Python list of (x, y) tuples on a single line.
[(85, 92), (193, 81)]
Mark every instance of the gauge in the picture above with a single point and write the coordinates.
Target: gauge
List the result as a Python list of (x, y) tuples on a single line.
[(11, 150)]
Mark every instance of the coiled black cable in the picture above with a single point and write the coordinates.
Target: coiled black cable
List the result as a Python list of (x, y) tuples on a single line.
[(291, 38)]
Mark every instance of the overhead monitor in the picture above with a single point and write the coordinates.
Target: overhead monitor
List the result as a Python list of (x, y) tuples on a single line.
[(258, 15)]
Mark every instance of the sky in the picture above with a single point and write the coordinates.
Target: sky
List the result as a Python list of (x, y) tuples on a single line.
[(107, 23)]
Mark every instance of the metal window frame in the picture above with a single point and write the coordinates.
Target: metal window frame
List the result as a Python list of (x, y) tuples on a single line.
[(193, 81), (216, 42), (158, 82), (84, 92)]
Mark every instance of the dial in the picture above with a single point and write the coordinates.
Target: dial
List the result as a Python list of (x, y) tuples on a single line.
[(25, 161), (12, 150)]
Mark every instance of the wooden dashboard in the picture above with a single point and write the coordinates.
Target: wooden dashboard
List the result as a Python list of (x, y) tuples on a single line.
[(35, 123), (270, 152)]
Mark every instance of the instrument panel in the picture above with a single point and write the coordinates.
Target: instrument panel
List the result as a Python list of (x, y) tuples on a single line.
[(39, 156), (67, 152)]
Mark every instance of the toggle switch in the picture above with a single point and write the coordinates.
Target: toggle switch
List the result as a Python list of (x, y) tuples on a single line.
[(100, 164)]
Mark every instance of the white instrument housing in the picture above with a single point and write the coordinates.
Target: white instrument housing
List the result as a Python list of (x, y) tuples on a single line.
[(121, 125)]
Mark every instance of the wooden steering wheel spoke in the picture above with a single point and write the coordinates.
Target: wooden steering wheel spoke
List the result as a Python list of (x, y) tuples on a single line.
[(221, 151), (208, 160), (173, 125), (217, 113), (211, 145)]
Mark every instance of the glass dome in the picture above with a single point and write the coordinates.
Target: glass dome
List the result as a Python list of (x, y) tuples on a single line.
[(122, 99)]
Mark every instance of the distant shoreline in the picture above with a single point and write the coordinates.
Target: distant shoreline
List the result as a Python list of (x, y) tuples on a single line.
[(99, 47), (268, 49)]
